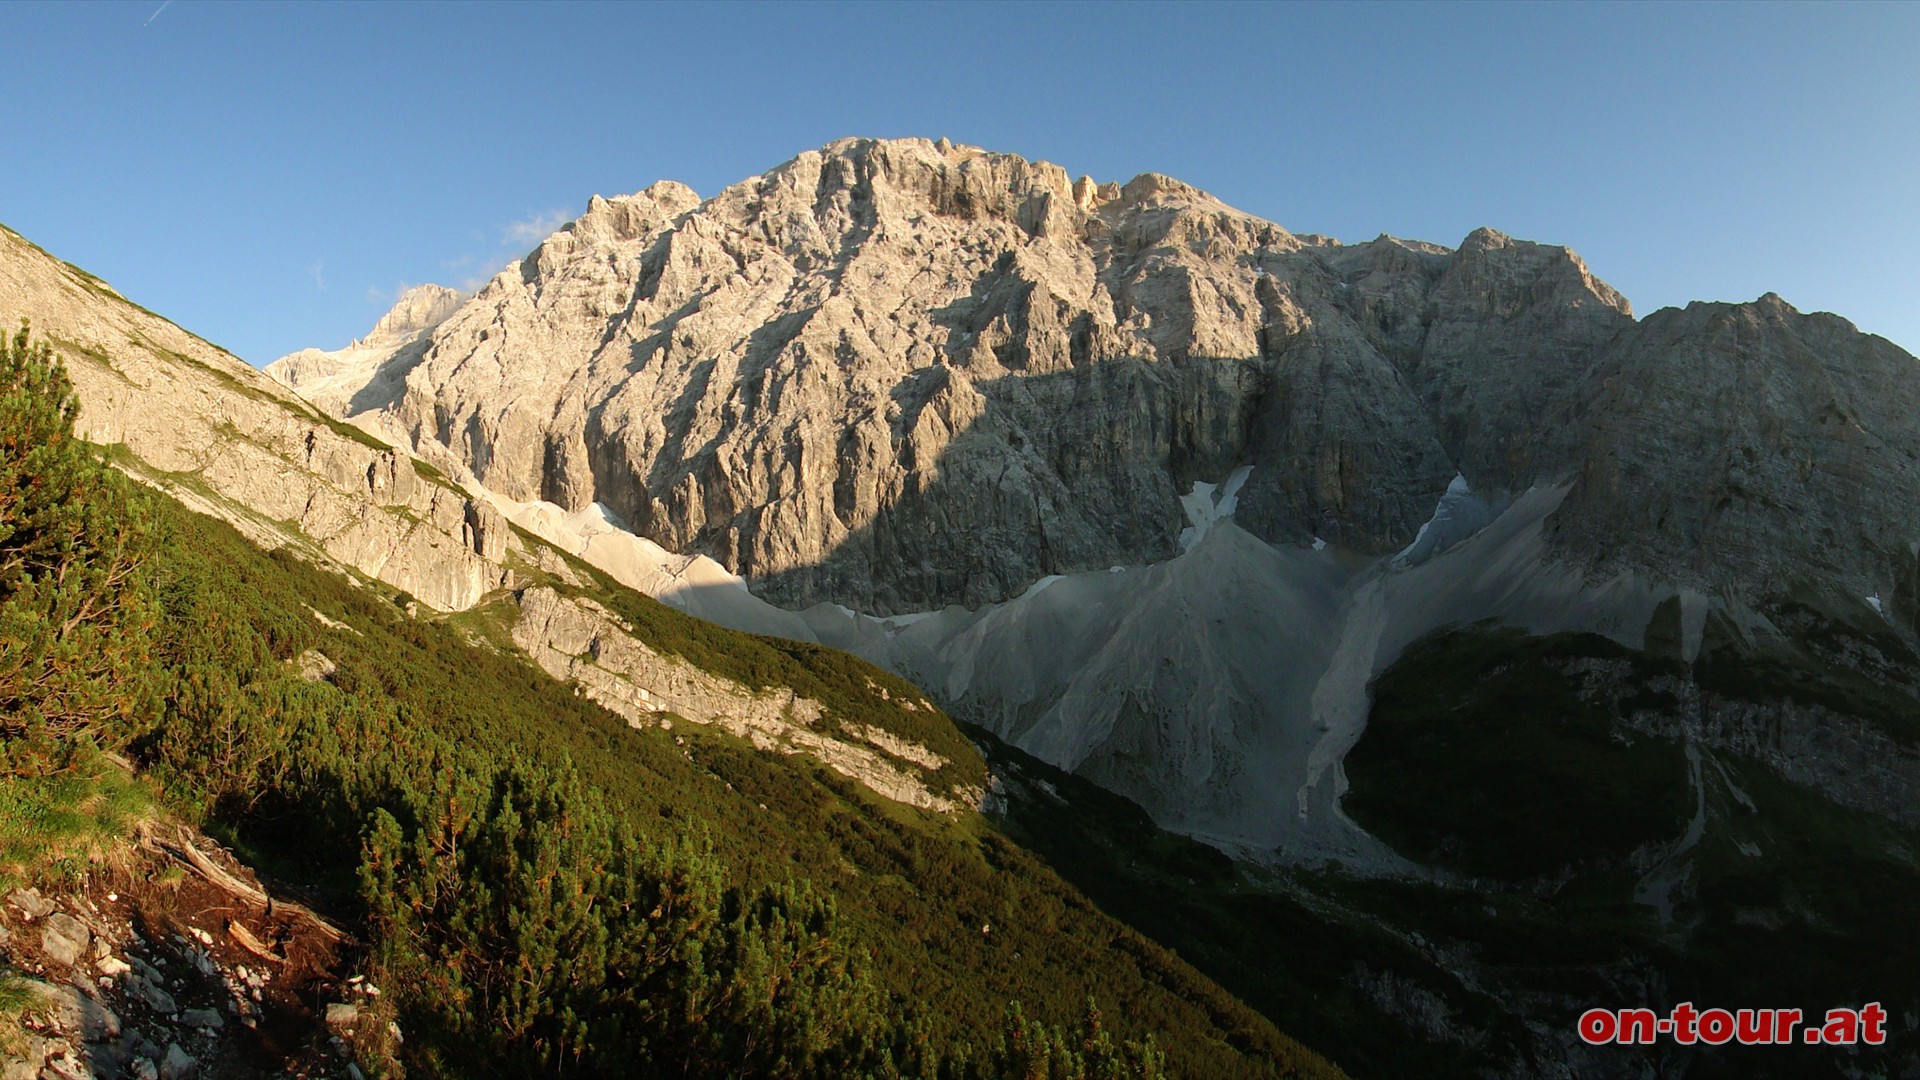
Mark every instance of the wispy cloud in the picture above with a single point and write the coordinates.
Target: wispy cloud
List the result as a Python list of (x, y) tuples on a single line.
[(318, 271), (386, 298), (534, 228), (470, 271), (156, 13)]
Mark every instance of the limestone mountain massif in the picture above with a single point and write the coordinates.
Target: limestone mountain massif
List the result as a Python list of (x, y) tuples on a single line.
[(1143, 483)]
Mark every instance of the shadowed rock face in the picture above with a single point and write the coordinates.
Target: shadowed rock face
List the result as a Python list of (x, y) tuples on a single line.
[(1746, 447), (822, 374)]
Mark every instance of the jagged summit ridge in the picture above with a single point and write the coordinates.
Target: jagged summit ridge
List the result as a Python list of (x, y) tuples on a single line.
[(418, 309), (884, 347), (331, 379)]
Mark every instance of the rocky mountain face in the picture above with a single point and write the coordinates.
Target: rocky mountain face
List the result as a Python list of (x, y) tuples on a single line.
[(901, 374), (1747, 447), (1162, 494), (889, 377)]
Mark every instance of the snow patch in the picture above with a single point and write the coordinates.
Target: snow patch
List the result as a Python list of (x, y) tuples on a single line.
[(1874, 603), (1210, 503), (1039, 587), (1459, 514)]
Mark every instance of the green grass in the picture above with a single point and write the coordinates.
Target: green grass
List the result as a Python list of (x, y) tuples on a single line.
[(17, 1002), (57, 818)]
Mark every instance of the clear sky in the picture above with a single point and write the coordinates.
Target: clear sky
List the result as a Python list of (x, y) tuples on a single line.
[(268, 175)]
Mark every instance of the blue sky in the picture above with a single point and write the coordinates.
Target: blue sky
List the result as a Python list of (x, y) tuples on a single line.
[(268, 175)]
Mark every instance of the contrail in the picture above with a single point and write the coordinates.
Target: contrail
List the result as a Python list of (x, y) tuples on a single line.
[(156, 13)]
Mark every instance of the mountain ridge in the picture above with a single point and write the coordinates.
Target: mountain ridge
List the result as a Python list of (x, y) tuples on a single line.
[(1358, 379), (925, 395)]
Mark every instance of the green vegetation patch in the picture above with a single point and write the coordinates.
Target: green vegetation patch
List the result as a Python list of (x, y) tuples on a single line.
[(1856, 667), (1483, 755), (58, 816)]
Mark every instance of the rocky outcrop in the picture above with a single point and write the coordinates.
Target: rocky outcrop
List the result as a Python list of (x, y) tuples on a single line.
[(201, 424), (577, 640)]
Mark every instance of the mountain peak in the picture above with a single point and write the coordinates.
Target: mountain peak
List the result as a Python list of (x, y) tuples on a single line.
[(419, 308)]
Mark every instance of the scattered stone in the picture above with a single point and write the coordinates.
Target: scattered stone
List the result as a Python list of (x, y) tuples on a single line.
[(143, 1069), (202, 1018), (340, 1015), (72, 1010), (178, 1064), (157, 999), (65, 939), (113, 966), (66, 1067), (32, 904)]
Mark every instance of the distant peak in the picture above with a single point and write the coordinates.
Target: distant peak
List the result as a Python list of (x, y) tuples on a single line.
[(1149, 184), (421, 307), (1486, 238)]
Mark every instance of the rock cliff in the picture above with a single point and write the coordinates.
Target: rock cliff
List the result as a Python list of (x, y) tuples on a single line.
[(901, 374), (205, 426)]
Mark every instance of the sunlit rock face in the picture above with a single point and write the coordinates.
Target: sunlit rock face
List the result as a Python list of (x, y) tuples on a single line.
[(896, 374)]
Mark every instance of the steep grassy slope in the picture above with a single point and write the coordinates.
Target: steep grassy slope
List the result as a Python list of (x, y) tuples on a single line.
[(952, 920), (540, 885)]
